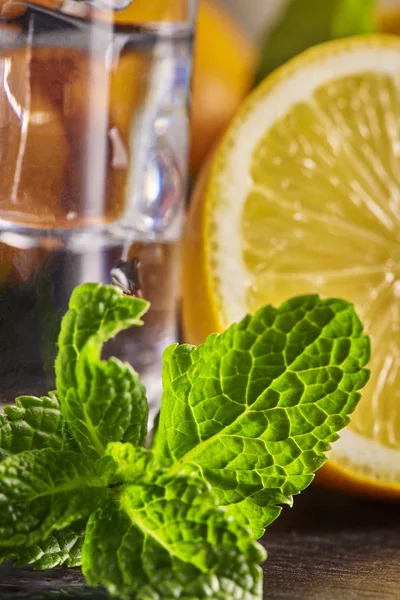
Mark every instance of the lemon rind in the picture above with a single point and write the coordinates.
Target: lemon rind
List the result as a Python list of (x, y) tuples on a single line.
[(367, 458)]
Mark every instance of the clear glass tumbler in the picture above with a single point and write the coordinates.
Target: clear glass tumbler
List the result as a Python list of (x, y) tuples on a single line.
[(93, 166)]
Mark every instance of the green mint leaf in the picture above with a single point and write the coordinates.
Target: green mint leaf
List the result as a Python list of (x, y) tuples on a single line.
[(60, 548), (69, 442), (255, 409), (32, 423), (169, 539), (101, 401), (45, 490), (306, 23), (132, 464)]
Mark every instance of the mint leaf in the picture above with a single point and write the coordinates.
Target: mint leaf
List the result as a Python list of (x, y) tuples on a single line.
[(32, 423), (306, 23), (45, 490), (101, 401), (170, 539), (60, 548), (255, 409), (246, 420), (132, 464)]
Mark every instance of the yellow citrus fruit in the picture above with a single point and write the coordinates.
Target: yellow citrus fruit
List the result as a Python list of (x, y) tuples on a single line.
[(225, 61), (303, 197), (144, 11)]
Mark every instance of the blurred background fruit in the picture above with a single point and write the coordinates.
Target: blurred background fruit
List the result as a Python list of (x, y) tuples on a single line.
[(224, 68), (306, 23), (257, 17), (225, 62), (388, 17), (283, 28), (155, 10)]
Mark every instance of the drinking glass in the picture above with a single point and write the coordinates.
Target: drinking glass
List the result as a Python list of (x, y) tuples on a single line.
[(93, 166)]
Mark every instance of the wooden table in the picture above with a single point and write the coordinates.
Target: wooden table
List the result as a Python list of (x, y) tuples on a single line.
[(332, 547), (328, 547)]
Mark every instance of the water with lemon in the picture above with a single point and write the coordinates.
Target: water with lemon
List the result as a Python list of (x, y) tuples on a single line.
[(93, 147)]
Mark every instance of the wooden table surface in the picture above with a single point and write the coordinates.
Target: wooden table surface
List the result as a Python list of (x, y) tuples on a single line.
[(328, 547), (331, 547)]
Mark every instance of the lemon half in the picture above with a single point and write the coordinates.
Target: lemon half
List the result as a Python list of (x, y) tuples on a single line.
[(304, 197)]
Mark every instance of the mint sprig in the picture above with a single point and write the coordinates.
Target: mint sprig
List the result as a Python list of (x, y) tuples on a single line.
[(254, 410), (60, 548), (32, 423), (45, 490), (101, 401), (169, 536), (246, 420)]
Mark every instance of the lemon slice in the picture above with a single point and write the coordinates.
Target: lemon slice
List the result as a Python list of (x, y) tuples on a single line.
[(304, 197)]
